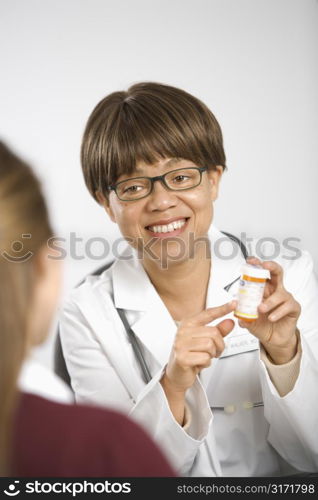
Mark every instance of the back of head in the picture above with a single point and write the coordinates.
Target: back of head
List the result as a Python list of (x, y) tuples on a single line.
[(24, 229), (148, 122)]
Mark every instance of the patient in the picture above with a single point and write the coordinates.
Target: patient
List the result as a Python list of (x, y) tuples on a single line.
[(41, 437)]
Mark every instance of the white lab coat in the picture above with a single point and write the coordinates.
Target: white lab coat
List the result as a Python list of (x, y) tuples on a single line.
[(277, 439)]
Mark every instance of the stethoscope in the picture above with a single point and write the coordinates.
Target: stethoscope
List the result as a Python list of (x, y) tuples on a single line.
[(229, 408)]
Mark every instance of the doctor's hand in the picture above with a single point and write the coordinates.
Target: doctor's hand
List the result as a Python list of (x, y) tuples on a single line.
[(194, 346), (276, 325)]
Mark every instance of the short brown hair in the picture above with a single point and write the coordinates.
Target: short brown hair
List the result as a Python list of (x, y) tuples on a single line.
[(149, 122)]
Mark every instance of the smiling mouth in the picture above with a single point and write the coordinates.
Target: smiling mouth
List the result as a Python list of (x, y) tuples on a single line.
[(168, 228)]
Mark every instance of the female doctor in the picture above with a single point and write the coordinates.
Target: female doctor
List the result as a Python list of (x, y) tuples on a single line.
[(154, 335)]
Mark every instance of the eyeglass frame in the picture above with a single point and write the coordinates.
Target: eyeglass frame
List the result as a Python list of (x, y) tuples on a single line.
[(113, 187)]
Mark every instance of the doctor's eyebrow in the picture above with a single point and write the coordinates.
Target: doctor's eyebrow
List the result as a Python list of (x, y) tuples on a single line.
[(140, 171)]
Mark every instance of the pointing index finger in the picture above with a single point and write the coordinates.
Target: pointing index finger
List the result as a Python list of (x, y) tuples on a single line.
[(210, 314)]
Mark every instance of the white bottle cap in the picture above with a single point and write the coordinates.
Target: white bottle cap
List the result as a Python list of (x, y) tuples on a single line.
[(256, 271)]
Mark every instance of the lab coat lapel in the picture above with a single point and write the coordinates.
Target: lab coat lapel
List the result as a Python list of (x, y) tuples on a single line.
[(156, 329), (146, 313)]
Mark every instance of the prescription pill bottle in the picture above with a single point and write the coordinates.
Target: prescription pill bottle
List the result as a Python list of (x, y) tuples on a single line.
[(250, 292)]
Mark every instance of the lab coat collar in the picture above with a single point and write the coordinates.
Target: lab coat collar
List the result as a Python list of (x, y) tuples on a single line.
[(133, 291), (131, 283)]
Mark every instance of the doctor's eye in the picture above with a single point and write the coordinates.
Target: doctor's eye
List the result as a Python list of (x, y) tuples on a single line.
[(180, 178), (183, 178), (132, 189)]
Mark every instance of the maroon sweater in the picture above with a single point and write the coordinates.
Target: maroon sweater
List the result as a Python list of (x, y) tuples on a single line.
[(55, 440)]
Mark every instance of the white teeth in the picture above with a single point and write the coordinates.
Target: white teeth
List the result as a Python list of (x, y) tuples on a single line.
[(169, 228)]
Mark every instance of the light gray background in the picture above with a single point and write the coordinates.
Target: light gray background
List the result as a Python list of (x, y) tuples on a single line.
[(253, 62)]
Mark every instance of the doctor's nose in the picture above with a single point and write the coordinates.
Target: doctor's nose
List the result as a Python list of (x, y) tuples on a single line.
[(161, 198)]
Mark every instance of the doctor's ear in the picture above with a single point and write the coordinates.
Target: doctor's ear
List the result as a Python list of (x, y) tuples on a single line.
[(104, 202), (214, 177)]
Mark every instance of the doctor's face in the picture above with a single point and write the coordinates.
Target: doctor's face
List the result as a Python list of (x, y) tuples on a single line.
[(166, 222)]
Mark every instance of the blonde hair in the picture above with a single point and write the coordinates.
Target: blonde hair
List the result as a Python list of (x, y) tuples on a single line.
[(24, 228)]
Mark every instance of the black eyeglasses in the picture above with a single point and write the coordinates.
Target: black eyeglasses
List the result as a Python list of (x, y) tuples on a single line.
[(175, 180)]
